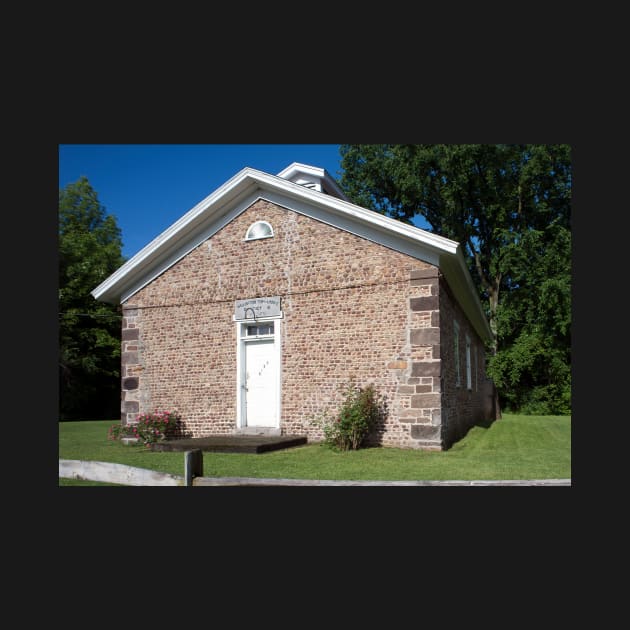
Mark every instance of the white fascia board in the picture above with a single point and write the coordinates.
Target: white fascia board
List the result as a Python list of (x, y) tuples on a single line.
[(297, 167), (146, 257), (349, 223), (160, 264), (435, 250), (461, 284), (340, 207), (476, 310)]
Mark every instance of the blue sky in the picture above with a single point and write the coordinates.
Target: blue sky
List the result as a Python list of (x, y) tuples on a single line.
[(147, 187)]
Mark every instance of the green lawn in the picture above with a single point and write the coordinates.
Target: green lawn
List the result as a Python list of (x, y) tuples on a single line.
[(515, 447)]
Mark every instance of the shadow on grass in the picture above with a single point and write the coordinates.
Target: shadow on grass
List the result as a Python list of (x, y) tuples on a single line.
[(484, 424), (457, 442)]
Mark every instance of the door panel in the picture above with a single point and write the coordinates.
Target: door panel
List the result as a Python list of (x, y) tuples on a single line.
[(260, 383)]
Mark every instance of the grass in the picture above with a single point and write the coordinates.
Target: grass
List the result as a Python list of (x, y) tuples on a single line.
[(515, 447), (85, 482)]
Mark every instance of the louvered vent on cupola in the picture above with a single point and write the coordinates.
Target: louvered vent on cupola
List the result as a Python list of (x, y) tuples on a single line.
[(312, 177), (309, 184)]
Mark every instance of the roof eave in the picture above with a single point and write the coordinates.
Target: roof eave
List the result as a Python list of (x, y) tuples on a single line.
[(246, 182), (461, 284), (112, 288)]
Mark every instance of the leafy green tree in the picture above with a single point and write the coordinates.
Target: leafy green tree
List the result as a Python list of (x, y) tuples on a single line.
[(533, 368), (510, 208), (89, 331)]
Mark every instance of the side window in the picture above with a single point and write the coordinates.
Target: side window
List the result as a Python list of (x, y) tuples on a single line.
[(468, 366), (456, 350), (476, 369)]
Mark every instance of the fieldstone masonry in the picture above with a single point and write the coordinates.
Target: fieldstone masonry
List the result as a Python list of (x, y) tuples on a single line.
[(351, 308)]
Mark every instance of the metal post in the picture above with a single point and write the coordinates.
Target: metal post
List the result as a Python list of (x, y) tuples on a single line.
[(193, 466)]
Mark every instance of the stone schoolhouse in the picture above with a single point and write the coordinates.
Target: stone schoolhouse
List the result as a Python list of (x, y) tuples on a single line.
[(252, 310)]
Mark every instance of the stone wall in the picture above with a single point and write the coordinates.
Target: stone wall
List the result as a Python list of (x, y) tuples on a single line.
[(352, 309), (423, 380), (462, 406), (131, 366)]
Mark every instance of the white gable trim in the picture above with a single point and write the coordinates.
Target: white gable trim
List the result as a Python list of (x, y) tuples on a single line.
[(345, 223), (115, 287), (207, 230), (354, 225), (239, 192), (168, 244)]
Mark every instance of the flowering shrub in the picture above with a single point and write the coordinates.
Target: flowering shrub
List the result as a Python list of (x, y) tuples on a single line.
[(148, 427), (360, 413)]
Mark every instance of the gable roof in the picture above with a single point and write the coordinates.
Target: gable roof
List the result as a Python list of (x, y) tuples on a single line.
[(330, 206)]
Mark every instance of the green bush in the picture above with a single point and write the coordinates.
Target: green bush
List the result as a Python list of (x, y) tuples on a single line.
[(363, 408), (547, 400), (148, 427)]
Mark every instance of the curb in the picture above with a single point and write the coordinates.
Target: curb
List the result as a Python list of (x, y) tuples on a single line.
[(254, 481)]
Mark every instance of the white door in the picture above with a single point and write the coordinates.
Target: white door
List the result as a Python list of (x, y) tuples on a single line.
[(260, 383)]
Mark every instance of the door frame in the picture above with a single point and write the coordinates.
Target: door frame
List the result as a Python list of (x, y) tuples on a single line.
[(241, 422)]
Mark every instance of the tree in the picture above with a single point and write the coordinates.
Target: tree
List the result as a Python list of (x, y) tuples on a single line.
[(510, 208), (533, 369), (89, 331)]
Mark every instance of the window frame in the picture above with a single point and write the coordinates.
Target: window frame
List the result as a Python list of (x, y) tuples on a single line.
[(245, 332), (458, 378), (476, 368), (257, 238), (468, 365)]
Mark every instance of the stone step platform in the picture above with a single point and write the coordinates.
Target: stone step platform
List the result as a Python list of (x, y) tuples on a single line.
[(232, 443)]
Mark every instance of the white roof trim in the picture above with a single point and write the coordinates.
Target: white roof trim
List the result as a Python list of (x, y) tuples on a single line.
[(297, 167), (236, 194)]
